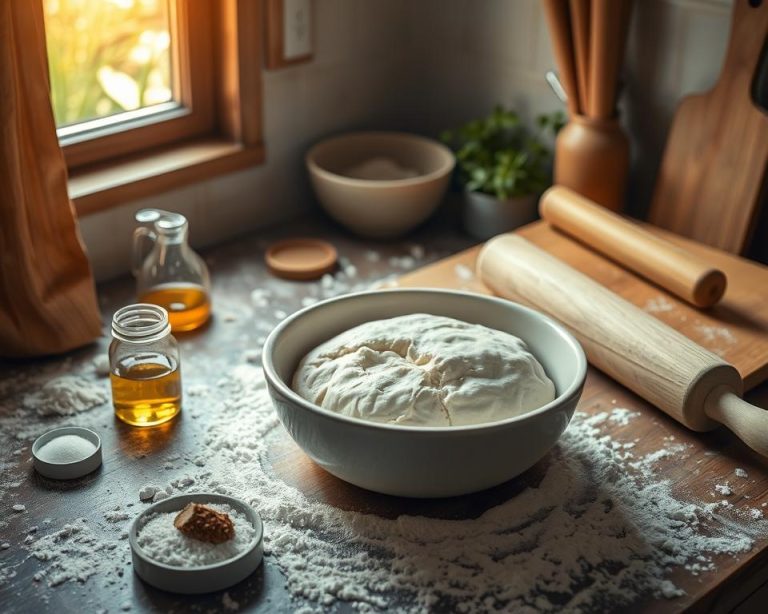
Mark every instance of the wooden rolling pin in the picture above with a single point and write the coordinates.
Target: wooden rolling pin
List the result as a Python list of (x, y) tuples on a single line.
[(625, 242), (691, 384)]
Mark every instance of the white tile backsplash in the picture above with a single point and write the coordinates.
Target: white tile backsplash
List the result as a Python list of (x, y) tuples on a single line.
[(424, 65)]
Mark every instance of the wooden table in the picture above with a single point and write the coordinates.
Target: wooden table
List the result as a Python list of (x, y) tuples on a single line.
[(133, 457)]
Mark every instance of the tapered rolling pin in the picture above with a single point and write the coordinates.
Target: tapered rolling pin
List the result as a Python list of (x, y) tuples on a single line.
[(690, 383), (625, 242)]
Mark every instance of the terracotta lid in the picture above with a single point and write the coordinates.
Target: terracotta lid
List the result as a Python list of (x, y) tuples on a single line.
[(301, 258)]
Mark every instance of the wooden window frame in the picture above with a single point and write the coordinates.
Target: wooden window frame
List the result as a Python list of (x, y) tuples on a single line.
[(218, 128)]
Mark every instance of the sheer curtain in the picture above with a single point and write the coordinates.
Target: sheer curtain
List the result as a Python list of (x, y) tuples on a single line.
[(47, 297)]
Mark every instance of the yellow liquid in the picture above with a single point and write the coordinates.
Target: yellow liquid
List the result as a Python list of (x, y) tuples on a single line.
[(146, 389), (188, 305)]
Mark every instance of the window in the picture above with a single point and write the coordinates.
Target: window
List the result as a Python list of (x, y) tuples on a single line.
[(150, 94), (117, 63)]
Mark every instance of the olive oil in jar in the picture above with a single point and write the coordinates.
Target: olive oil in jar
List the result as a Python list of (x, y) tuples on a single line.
[(144, 366), (188, 305), (146, 389), (168, 272)]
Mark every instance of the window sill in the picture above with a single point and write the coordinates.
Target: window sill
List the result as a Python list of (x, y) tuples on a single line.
[(98, 187)]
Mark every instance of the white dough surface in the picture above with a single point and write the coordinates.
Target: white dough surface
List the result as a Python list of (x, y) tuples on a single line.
[(424, 370)]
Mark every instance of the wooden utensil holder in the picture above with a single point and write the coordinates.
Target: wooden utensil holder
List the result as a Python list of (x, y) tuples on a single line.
[(592, 158)]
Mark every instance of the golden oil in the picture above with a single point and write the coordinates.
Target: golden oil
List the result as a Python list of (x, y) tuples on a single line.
[(188, 305), (146, 389)]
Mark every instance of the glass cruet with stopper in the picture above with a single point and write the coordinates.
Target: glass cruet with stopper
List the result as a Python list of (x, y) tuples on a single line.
[(170, 274), (144, 366)]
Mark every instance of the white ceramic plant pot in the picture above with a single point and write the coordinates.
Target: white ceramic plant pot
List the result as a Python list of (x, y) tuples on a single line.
[(486, 216)]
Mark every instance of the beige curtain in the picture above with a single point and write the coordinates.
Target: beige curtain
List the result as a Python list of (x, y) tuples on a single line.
[(47, 299)]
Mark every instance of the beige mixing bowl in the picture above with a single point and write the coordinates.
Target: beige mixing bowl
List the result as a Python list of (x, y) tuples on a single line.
[(379, 208), (416, 461)]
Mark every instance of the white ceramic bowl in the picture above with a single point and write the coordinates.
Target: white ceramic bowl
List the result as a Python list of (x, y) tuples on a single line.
[(386, 207), (423, 461)]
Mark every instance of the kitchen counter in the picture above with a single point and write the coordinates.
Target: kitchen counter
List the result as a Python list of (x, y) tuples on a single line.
[(247, 302)]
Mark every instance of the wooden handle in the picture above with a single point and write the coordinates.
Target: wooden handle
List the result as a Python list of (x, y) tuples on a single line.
[(609, 22), (645, 355), (559, 21), (625, 242), (748, 422), (580, 26)]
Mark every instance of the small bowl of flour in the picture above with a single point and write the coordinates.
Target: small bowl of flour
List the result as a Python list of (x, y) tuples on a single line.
[(423, 393), (171, 560)]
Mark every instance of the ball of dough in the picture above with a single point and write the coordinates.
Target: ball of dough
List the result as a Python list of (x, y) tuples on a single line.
[(424, 370)]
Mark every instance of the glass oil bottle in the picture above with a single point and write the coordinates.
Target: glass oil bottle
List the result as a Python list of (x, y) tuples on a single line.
[(170, 274), (144, 366)]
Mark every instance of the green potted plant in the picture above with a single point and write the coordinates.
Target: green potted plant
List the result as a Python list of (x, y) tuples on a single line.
[(503, 167)]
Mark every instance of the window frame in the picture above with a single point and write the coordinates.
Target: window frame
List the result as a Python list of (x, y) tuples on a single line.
[(219, 131)]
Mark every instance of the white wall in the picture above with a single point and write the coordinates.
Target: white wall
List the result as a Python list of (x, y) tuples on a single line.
[(346, 86), (423, 65), (470, 54)]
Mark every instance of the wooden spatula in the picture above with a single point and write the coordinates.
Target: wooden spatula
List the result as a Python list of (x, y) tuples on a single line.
[(716, 160)]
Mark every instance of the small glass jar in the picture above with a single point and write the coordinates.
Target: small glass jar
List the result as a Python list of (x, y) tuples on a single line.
[(144, 366)]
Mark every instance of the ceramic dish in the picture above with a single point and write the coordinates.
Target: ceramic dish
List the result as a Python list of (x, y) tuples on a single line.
[(205, 578), (423, 461), (67, 471), (384, 207)]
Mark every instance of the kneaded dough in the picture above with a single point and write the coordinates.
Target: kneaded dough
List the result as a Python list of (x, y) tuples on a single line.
[(424, 370)]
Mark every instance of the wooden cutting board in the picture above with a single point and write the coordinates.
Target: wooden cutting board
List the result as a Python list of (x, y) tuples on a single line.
[(736, 328), (712, 177)]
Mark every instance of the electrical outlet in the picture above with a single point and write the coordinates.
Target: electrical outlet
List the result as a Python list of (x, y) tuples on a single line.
[(297, 30)]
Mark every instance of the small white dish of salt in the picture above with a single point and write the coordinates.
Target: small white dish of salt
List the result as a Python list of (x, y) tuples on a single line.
[(168, 557), (67, 453)]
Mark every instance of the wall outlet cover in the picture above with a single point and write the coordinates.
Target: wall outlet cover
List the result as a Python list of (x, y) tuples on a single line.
[(297, 30)]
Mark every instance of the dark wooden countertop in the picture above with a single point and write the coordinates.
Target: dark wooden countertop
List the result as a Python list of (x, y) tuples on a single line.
[(133, 457)]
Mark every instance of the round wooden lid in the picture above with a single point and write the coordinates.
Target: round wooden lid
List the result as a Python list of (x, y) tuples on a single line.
[(301, 258)]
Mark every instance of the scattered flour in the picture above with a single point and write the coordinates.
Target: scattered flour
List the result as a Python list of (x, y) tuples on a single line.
[(66, 395), (463, 272), (72, 553), (716, 333), (163, 542), (147, 492), (600, 529), (101, 365), (659, 304), (197, 390), (622, 416), (252, 356), (723, 489), (402, 262), (116, 515), (740, 473), (417, 251), (228, 603), (260, 297)]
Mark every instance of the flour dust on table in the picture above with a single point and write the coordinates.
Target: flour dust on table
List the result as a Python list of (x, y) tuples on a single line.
[(600, 530)]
